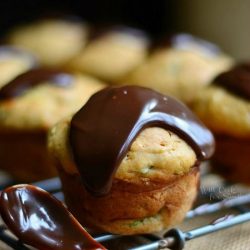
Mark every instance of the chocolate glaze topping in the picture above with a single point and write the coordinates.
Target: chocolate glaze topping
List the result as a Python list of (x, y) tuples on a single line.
[(103, 130), (40, 220), (236, 80), (33, 78)]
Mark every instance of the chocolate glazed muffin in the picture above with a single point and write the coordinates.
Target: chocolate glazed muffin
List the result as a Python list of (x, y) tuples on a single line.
[(225, 108), (29, 105), (129, 160)]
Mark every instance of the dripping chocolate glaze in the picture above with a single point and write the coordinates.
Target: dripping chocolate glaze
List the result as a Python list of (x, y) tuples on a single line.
[(32, 78), (103, 130), (38, 219), (236, 80)]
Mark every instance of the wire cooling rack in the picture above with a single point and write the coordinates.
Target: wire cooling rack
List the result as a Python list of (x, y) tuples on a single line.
[(217, 200)]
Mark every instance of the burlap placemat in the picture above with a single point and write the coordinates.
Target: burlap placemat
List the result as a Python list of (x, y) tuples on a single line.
[(234, 238)]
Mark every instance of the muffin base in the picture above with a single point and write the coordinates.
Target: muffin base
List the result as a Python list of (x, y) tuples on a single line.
[(24, 155), (132, 210), (232, 158)]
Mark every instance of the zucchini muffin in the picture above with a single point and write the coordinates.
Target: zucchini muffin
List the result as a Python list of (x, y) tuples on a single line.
[(14, 61), (129, 160), (113, 53), (225, 108), (29, 105), (180, 68), (53, 41)]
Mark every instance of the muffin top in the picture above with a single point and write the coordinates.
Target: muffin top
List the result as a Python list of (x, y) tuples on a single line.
[(112, 53), (53, 41), (225, 105), (182, 65), (37, 99), (102, 132)]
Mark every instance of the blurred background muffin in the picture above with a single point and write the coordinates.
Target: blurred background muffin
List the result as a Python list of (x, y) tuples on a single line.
[(53, 41), (14, 61), (29, 105), (112, 52), (180, 66), (225, 108)]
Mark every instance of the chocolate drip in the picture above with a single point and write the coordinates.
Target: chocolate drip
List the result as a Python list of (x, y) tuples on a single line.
[(236, 80), (103, 130), (33, 78), (39, 220)]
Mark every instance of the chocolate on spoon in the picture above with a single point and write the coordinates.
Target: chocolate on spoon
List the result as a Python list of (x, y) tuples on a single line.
[(40, 220)]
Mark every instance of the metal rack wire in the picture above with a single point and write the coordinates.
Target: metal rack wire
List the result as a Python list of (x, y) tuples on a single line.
[(172, 239)]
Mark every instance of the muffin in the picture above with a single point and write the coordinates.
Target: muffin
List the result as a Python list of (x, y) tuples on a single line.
[(29, 105), (53, 41), (129, 160), (180, 68), (112, 53), (14, 61), (225, 107)]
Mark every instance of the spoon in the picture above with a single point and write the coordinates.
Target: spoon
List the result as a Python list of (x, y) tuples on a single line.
[(41, 221)]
